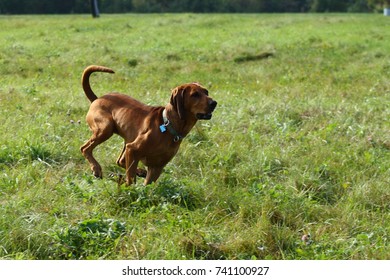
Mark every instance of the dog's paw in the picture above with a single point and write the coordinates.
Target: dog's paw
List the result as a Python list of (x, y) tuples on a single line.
[(141, 172), (97, 172)]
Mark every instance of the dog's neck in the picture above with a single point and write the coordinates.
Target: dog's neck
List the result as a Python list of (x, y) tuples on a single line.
[(181, 126)]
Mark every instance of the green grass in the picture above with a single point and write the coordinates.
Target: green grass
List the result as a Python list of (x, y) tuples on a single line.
[(299, 142)]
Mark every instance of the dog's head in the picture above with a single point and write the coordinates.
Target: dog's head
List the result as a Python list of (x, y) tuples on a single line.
[(192, 99)]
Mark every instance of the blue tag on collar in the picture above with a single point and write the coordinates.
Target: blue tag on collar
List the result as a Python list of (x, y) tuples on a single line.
[(163, 128)]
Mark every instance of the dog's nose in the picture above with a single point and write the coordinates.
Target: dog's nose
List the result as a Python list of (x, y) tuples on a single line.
[(213, 104)]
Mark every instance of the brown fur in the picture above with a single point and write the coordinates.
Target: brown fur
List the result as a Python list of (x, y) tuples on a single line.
[(139, 125)]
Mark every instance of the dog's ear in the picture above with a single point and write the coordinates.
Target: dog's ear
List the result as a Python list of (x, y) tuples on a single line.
[(177, 101)]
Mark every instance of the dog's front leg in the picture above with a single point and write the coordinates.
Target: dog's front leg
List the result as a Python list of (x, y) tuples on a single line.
[(131, 164), (121, 161), (153, 174)]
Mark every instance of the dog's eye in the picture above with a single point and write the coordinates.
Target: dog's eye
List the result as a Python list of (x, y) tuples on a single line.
[(196, 94)]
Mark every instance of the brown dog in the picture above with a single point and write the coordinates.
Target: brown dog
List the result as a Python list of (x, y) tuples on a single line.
[(152, 134)]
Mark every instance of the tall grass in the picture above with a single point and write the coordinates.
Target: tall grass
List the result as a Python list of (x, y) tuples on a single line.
[(298, 145)]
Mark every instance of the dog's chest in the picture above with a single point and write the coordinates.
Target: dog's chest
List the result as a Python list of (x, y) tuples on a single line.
[(159, 157)]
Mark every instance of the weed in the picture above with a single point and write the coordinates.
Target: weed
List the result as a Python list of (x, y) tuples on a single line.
[(89, 239)]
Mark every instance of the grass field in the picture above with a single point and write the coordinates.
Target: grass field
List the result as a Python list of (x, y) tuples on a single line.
[(299, 143)]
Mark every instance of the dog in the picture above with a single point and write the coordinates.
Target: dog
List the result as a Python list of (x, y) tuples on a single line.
[(152, 134)]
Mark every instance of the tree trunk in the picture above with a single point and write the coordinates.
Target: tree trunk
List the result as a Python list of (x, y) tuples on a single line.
[(94, 8)]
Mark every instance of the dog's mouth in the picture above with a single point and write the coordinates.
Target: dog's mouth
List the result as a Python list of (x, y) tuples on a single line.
[(204, 116), (207, 116)]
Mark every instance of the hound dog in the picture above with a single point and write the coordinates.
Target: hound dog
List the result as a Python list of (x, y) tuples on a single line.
[(152, 134)]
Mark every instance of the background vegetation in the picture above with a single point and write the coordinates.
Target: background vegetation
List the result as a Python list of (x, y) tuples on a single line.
[(196, 6), (298, 145)]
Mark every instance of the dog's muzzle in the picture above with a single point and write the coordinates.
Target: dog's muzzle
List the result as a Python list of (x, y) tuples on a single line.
[(208, 115)]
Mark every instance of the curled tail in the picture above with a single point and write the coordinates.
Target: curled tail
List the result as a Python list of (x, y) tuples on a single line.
[(85, 79)]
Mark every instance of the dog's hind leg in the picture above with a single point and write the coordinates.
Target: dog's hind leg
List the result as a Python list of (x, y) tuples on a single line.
[(98, 137), (86, 150)]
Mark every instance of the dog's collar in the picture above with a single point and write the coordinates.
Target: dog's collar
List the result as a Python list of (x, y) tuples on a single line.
[(167, 125)]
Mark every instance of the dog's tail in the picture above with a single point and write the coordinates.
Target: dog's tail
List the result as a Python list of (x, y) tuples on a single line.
[(85, 79)]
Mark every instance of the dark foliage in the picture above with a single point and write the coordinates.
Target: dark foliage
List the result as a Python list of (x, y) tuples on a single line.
[(195, 6)]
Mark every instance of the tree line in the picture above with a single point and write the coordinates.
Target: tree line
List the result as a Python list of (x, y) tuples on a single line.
[(194, 6)]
